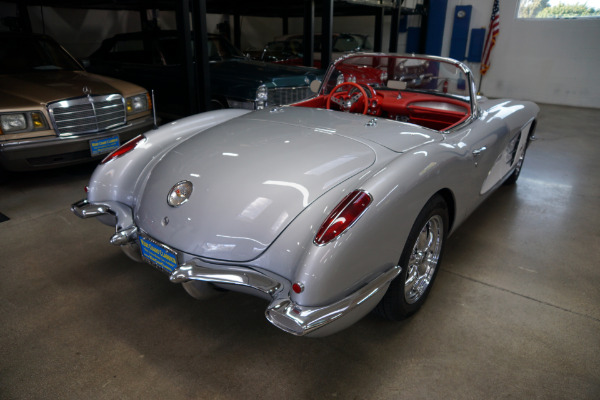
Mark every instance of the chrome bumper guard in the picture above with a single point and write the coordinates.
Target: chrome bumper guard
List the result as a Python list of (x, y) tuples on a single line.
[(126, 230), (282, 311)]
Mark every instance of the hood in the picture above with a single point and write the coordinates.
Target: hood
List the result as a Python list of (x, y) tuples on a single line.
[(242, 77), (43, 87), (251, 177), (265, 72)]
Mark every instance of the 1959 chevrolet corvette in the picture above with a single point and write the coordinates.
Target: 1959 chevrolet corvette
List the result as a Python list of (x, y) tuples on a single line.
[(329, 208)]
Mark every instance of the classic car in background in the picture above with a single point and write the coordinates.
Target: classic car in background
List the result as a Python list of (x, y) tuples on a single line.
[(53, 113), (289, 49), (330, 208), (153, 60)]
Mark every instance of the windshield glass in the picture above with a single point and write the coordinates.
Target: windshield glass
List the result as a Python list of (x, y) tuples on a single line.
[(221, 49), (26, 54), (351, 42), (427, 75)]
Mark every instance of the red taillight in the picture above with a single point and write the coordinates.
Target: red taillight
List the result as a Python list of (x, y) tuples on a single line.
[(126, 148), (343, 216)]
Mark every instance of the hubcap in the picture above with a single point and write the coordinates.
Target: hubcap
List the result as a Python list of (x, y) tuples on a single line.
[(423, 259)]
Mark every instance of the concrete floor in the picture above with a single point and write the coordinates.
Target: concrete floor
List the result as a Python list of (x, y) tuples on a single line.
[(515, 312)]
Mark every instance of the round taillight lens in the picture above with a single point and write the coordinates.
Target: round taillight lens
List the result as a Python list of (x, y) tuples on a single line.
[(343, 216), (124, 149)]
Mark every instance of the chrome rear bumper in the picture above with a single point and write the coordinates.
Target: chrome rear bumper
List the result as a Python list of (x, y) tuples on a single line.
[(282, 311)]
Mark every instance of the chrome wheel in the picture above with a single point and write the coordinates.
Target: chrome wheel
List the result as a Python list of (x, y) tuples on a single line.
[(420, 260), (424, 259)]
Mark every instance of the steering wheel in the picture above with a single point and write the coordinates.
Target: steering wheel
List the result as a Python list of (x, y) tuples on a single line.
[(346, 99)]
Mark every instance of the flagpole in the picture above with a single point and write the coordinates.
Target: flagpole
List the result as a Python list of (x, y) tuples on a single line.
[(490, 41)]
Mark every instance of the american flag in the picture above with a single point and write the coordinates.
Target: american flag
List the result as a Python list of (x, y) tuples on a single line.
[(490, 39)]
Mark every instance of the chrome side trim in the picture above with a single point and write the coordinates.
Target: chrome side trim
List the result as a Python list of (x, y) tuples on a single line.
[(283, 312)]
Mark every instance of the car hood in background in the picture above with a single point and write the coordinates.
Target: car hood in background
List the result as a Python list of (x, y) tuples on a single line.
[(18, 91), (248, 75), (251, 177)]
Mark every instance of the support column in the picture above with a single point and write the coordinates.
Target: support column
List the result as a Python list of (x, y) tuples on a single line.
[(395, 28), (309, 33), (378, 37), (185, 38), (326, 33), (201, 47)]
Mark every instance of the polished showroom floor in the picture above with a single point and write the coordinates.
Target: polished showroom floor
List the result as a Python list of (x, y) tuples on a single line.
[(515, 312)]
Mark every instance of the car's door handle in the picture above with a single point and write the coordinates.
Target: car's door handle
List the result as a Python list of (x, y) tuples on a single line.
[(478, 152)]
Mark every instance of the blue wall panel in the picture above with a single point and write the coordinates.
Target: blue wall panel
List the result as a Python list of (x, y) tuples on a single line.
[(435, 27), (413, 38), (460, 32), (476, 45)]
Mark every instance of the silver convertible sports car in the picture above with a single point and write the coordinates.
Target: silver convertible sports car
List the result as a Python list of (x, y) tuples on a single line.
[(329, 208)]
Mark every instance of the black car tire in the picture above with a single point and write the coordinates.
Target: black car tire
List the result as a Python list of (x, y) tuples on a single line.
[(420, 262)]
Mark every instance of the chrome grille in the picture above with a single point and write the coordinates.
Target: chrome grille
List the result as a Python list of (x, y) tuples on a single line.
[(287, 95), (87, 114)]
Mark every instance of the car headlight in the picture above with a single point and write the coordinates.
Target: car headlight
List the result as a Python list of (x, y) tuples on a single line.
[(262, 94), (139, 103), (27, 121)]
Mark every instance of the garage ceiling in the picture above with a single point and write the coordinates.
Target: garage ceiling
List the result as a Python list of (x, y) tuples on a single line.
[(264, 8)]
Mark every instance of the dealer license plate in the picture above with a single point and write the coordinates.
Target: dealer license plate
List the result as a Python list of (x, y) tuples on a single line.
[(104, 145), (158, 255)]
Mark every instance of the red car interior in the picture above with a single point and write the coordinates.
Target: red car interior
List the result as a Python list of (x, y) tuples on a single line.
[(430, 111)]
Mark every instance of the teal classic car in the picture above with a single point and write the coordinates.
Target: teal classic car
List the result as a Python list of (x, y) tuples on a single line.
[(154, 60)]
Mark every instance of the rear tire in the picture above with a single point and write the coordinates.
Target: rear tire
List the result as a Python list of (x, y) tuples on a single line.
[(420, 262)]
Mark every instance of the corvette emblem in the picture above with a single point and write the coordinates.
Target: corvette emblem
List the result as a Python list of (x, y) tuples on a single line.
[(180, 193)]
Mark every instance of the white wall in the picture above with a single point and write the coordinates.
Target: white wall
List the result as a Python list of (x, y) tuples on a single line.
[(547, 61)]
